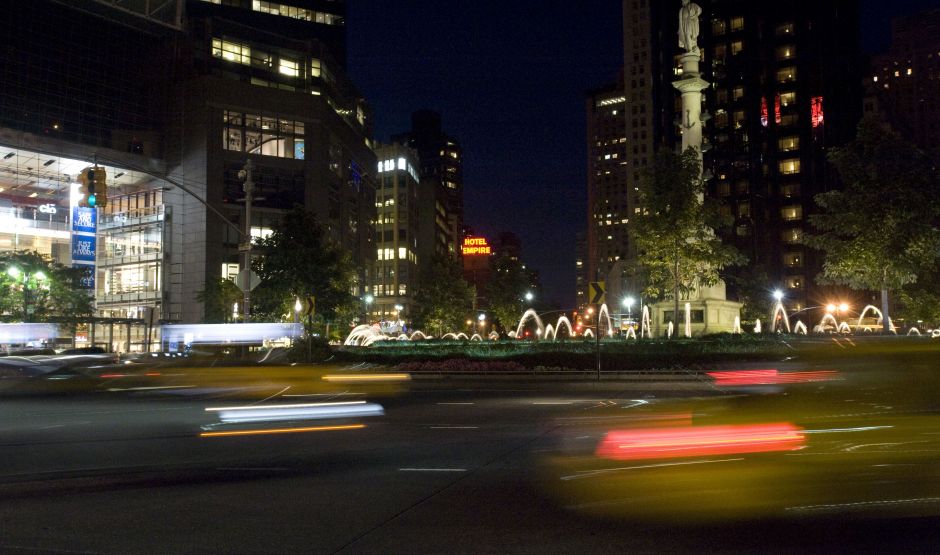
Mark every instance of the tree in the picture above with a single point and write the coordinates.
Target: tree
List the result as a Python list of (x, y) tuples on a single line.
[(35, 288), (880, 231), (506, 290), (677, 247), (296, 261), (219, 298), (442, 298)]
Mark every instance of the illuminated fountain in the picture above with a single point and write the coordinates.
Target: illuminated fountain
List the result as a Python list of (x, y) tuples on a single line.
[(736, 328), (645, 323), (829, 319), (799, 328), (688, 320), (669, 329), (782, 313), (880, 320), (526, 316), (757, 328)]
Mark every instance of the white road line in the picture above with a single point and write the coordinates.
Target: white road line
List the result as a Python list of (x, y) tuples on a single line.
[(432, 469), (456, 403)]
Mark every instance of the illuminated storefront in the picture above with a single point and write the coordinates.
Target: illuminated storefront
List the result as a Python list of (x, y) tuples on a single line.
[(129, 286)]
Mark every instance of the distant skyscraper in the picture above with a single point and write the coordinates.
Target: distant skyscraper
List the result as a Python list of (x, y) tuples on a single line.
[(903, 85), (441, 160)]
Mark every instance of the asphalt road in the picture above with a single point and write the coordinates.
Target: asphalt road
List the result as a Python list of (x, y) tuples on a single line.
[(445, 470)]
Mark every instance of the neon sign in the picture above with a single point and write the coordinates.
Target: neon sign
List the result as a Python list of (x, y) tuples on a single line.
[(473, 246), (777, 117), (764, 119)]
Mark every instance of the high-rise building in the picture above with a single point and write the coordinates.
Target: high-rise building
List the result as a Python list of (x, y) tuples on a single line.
[(195, 89), (397, 224), (266, 81), (903, 85), (785, 89), (441, 161)]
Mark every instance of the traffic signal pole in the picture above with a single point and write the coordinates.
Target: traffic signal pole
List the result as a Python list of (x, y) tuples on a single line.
[(249, 189)]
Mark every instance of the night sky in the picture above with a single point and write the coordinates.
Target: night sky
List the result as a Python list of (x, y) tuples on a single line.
[(509, 79)]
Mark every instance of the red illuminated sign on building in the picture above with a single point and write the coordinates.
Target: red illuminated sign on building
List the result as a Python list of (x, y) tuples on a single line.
[(474, 246), (777, 117), (763, 111), (816, 115)]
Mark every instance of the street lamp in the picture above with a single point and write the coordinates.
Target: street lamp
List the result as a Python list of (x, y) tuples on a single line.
[(778, 295), (368, 300), (24, 277), (529, 296), (481, 322)]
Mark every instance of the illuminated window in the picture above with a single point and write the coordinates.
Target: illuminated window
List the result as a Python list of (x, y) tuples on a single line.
[(792, 213), (786, 75), (262, 135), (795, 282), (739, 119), (785, 29), (788, 120), (792, 236), (787, 98), (289, 67), (231, 51), (737, 23), (402, 164), (718, 27), (736, 47), (274, 8), (786, 52), (737, 93), (789, 166), (315, 67), (786, 144), (793, 260), (402, 253)]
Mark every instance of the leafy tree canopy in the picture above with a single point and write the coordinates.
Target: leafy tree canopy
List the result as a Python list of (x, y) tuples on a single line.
[(219, 297), (35, 288), (443, 300), (880, 231), (506, 291), (295, 261), (677, 247)]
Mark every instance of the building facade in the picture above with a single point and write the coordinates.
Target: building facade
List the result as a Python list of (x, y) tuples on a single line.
[(903, 84), (398, 216), (441, 163), (784, 91), (198, 89)]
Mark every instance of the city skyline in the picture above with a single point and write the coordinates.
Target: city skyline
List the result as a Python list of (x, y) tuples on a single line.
[(539, 60)]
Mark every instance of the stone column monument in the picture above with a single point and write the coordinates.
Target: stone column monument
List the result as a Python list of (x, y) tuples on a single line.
[(708, 307)]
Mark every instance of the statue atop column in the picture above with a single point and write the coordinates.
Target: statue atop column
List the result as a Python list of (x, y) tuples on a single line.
[(688, 26)]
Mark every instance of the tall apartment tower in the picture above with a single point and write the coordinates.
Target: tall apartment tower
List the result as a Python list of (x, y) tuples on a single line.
[(785, 89), (398, 217), (903, 85), (441, 160)]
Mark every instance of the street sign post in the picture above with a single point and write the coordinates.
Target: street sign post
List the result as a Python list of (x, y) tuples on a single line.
[(597, 292), (247, 278)]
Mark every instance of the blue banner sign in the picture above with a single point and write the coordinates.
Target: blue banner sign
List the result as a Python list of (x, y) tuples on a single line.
[(84, 220)]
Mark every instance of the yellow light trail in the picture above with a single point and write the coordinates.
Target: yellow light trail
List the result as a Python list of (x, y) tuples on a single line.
[(367, 377), (283, 430)]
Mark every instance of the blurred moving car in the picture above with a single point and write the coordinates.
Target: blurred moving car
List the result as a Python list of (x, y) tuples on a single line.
[(861, 441)]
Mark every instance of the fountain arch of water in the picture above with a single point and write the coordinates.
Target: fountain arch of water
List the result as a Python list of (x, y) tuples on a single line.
[(530, 314), (799, 328), (880, 320), (780, 311)]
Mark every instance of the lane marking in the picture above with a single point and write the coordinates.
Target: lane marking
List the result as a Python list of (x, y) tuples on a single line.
[(456, 403), (282, 430), (432, 469)]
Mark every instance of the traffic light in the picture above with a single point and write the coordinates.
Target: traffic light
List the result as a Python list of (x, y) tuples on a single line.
[(93, 189)]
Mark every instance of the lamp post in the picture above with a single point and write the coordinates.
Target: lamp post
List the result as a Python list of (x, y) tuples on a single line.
[(481, 322), (24, 278), (628, 304), (368, 299)]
